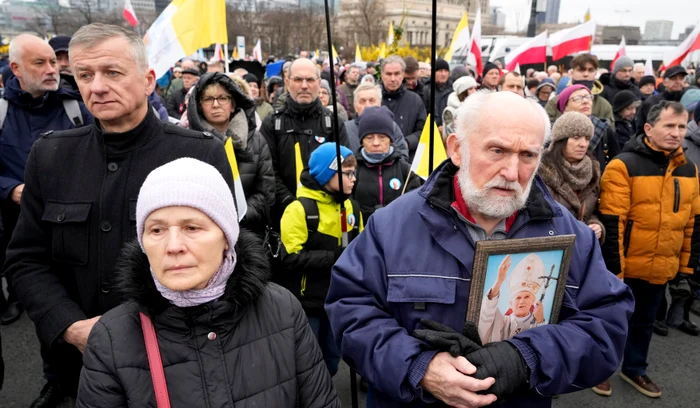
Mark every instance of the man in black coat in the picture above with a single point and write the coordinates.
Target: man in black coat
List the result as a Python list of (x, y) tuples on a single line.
[(443, 89), (176, 99), (620, 80), (407, 107), (673, 91), (295, 130), (79, 200)]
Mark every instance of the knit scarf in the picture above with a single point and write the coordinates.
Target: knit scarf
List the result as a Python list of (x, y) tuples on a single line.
[(569, 180), (195, 297), (578, 175), (376, 158)]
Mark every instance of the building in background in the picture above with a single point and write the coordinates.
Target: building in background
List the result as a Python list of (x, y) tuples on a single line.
[(498, 18), (552, 13), (682, 36), (613, 35), (657, 30)]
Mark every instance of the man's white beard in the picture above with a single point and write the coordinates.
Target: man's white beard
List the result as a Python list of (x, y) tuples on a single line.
[(484, 202)]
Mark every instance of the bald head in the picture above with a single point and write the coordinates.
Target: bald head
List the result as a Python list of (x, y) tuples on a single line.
[(188, 64), (304, 81), (33, 62)]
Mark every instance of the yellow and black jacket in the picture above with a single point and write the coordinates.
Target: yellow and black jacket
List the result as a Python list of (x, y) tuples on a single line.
[(649, 203), (309, 251)]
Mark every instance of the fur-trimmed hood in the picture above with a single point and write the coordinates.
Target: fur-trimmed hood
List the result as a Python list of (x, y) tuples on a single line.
[(246, 284)]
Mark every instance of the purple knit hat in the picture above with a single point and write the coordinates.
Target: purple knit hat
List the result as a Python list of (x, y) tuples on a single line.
[(566, 94)]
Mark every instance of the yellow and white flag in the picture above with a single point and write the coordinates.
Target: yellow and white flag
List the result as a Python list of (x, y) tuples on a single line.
[(358, 53), (422, 157), (460, 40), (241, 204), (182, 28), (390, 34), (382, 51)]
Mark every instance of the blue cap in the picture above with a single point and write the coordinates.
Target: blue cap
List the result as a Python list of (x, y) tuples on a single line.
[(323, 163)]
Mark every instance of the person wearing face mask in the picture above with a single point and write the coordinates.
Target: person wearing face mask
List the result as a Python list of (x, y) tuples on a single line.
[(381, 172), (584, 68), (570, 171), (201, 283), (673, 91), (258, 94), (603, 145), (620, 79), (311, 231), (219, 106)]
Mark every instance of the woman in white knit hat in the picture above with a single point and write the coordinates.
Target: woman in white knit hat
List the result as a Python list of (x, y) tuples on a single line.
[(224, 335)]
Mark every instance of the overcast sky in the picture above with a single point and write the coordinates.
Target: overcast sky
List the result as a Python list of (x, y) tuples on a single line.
[(632, 12)]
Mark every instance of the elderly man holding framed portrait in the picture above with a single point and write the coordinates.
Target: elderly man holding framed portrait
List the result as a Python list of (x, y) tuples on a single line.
[(406, 312)]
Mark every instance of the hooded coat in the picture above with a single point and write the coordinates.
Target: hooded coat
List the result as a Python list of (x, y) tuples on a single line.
[(252, 347), (601, 107), (252, 154)]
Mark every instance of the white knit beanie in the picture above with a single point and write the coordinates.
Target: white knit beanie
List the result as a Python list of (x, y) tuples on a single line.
[(189, 182)]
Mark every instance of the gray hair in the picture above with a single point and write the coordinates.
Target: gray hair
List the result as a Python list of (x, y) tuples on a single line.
[(394, 59), (91, 35), (365, 86), (469, 116), (355, 65), (17, 46), (639, 65), (656, 110)]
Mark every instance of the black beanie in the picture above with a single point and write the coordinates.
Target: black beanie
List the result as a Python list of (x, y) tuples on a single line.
[(441, 64), (489, 66), (250, 78), (648, 79), (622, 100), (376, 119)]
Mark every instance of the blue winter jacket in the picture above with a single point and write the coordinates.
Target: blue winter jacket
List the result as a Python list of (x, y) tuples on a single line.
[(27, 118), (383, 285)]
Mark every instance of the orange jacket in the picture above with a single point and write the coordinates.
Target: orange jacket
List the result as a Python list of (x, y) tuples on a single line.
[(649, 202)]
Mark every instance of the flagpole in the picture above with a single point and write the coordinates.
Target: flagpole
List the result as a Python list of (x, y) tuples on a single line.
[(226, 58), (431, 108)]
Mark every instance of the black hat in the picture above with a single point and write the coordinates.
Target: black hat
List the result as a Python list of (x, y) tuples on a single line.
[(376, 119), (60, 43), (489, 66), (675, 70), (623, 99), (442, 64), (250, 78), (191, 71), (647, 79), (371, 64)]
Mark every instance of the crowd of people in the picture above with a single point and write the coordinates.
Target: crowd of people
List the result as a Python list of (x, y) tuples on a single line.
[(212, 237)]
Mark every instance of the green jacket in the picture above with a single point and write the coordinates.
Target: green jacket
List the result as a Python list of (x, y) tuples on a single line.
[(601, 107)]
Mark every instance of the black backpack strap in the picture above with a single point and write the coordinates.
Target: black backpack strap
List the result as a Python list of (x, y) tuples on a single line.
[(311, 211)]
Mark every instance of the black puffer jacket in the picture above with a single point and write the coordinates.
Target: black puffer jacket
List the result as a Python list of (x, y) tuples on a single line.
[(409, 114), (263, 354), (612, 86), (377, 185), (252, 154)]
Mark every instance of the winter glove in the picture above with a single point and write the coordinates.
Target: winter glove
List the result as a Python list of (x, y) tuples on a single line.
[(502, 361), (443, 338)]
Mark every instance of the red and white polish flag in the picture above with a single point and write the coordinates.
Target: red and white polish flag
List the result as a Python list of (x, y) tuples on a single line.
[(691, 43), (129, 13), (475, 46), (531, 52), (572, 40), (621, 52)]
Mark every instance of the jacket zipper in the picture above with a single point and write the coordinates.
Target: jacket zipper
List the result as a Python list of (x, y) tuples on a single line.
[(676, 195), (381, 186), (626, 238)]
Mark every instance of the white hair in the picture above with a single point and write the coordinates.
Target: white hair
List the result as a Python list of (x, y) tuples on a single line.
[(639, 65), (92, 35), (470, 113), (367, 86), (17, 46)]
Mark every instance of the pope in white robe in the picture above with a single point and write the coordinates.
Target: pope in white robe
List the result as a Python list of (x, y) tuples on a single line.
[(525, 310)]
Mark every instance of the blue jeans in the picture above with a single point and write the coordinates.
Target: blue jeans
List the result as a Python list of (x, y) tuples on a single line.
[(641, 326), (322, 331)]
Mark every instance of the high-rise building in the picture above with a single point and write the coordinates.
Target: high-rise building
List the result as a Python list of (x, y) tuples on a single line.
[(498, 18), (552, 13), (656, 30)]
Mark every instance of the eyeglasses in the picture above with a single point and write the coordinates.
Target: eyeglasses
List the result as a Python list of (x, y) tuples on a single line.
[(300, 80), (223, 100), (581, 98), (350, 174)]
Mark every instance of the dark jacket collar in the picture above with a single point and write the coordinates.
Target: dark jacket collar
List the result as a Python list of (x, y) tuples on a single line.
[(247, 283), (16, 95), (439, 191), (393, 94), (297, 109), (640, 145), (124, 142)]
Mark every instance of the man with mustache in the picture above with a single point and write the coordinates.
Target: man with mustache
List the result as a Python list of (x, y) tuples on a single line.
[(296, 129), (384, 285), (78, 203), (34, 104)]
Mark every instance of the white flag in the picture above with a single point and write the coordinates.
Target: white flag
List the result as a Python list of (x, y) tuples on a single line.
[(257, 52)]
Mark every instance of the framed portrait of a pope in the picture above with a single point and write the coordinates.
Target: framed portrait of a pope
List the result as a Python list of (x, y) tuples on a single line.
[(518, 284)]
